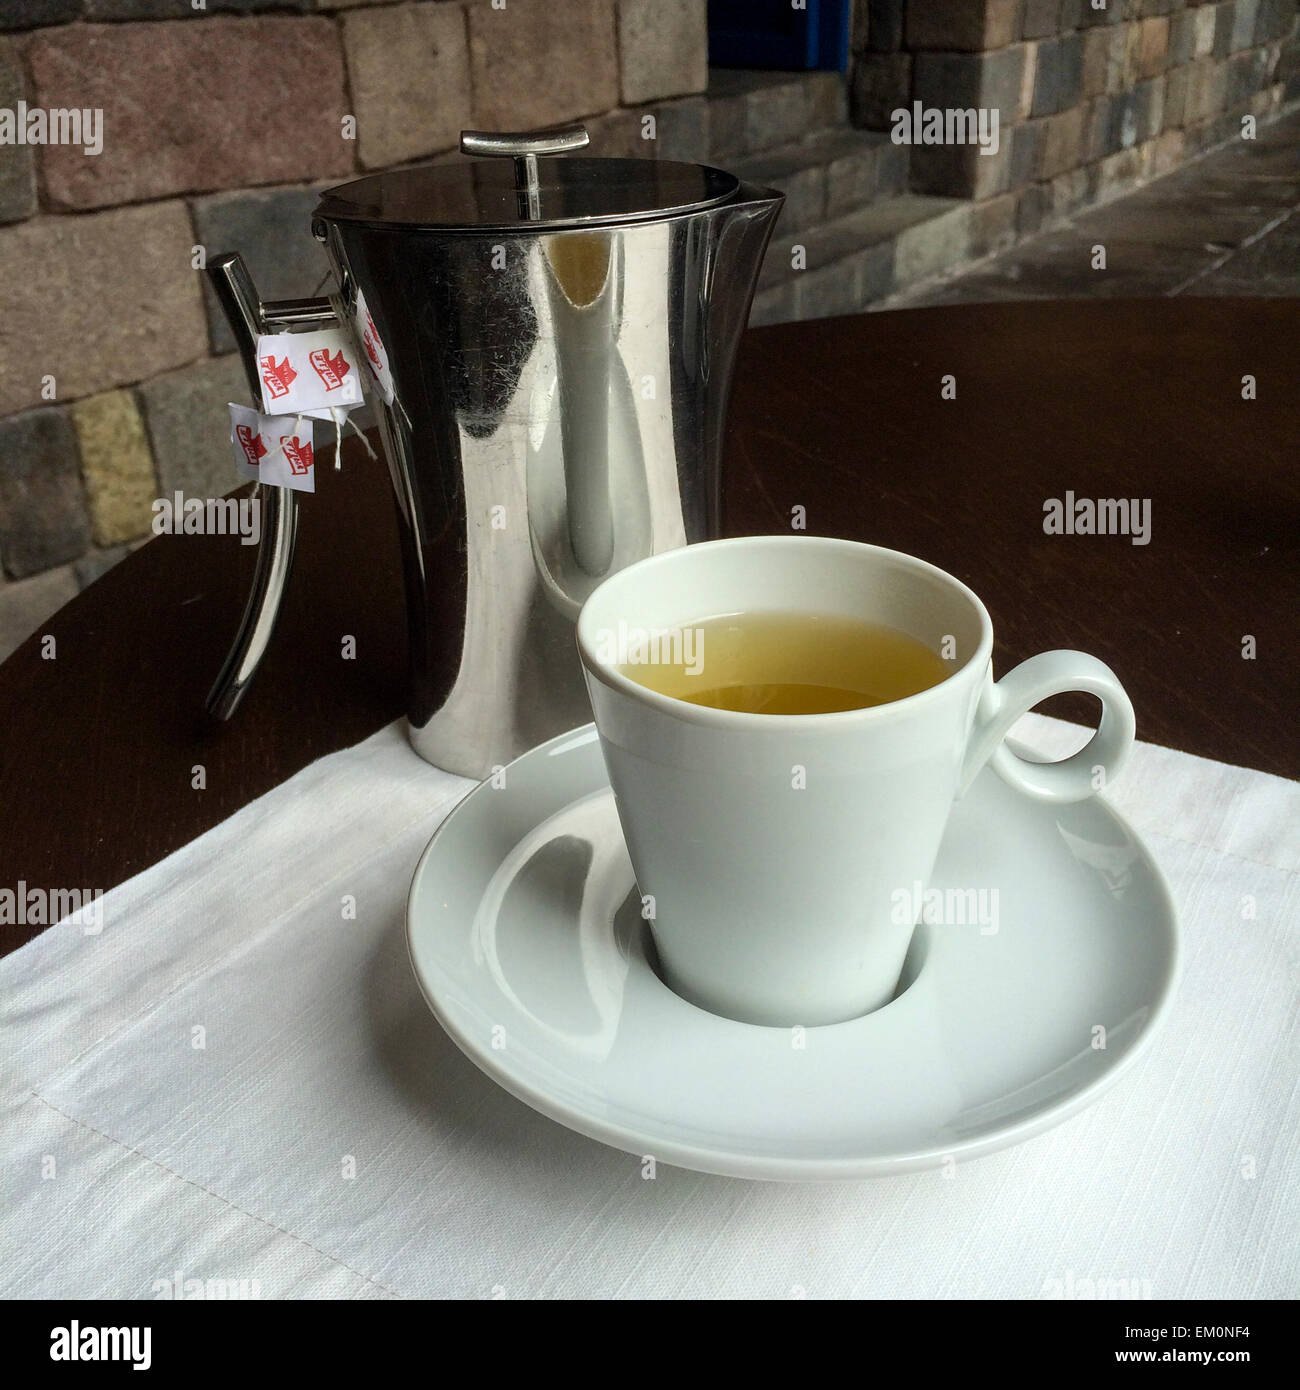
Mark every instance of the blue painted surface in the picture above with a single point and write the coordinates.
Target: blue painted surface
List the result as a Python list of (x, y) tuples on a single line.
[(774, 34)]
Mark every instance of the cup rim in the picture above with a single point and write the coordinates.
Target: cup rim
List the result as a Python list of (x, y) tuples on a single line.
[(737, 720)]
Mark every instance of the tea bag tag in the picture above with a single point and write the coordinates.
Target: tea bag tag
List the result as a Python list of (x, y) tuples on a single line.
[(308, 373), (372, 345), (273, 449)]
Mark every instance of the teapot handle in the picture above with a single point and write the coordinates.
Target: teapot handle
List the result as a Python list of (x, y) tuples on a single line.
[(249, 316)]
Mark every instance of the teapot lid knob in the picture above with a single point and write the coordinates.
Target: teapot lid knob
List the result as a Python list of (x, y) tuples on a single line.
[(523, 147)]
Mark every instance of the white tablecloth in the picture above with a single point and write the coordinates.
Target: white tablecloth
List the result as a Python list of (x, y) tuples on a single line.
[(234, 1081)]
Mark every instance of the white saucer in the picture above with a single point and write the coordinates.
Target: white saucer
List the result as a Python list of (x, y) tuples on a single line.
[(525, 935)]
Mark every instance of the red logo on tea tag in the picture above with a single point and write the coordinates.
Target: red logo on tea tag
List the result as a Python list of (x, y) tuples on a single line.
[(251, 443), (331, 370), (298, 452), (308, 373), (373, 345), (370, 340), (275, 450), (277, 377)]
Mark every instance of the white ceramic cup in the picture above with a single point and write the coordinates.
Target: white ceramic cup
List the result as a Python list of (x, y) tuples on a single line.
[(770, 848)]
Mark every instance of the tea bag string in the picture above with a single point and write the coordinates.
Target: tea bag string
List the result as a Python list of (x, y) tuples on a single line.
[(279, 448)]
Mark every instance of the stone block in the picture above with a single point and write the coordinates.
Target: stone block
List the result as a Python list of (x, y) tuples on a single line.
[(1096, 55), (884, 25), (1153, 46), (993, 225), (728, 122), (1207, 92), (1205, 22), (663, 48), (682, 130), (1032, 207), (1042, 19), (43, 521), (519, 85), (1276, 20), (1102, 136), (1151, 109), (828, 100), (1028, 81), (938, 243), (1069, 192), (26, 607), (176, 111), (408, 67), (875, 274), (1062, 143), (1072, 14), (1121, 60), (1025, 140), (1225, 22), (947, 80), (892, 163), (1059, 78), (881, 84), (1169, 153), (189, 426), (1247, 76), (17, 167), (829, 291), (777, 114), (1132, 70), (968, 26), (961, 171), (1113, 12), (97, 301), (853, 178), (1244, 19), (37, 14), (1176, 85), (116, 466), (619, 134), (1119, 172), (1182, 37)]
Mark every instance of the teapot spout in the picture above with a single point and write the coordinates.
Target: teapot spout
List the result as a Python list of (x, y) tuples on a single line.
[(743, 228)]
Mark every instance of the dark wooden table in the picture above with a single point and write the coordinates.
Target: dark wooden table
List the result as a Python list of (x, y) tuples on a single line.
[(842, 418)]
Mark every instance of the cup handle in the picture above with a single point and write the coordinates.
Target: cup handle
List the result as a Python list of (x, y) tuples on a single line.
[(1051, 673)]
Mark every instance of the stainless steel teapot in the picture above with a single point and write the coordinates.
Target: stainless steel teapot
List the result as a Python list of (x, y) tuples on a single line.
[(557, 337)]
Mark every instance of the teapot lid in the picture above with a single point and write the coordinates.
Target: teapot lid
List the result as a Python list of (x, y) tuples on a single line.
[(525, 187)]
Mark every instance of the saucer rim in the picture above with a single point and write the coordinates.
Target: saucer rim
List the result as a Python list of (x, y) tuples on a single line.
[(730, 1164)]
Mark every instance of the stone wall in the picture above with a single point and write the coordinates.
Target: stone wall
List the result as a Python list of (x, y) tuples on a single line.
[(218, 130), (1093, 96)]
